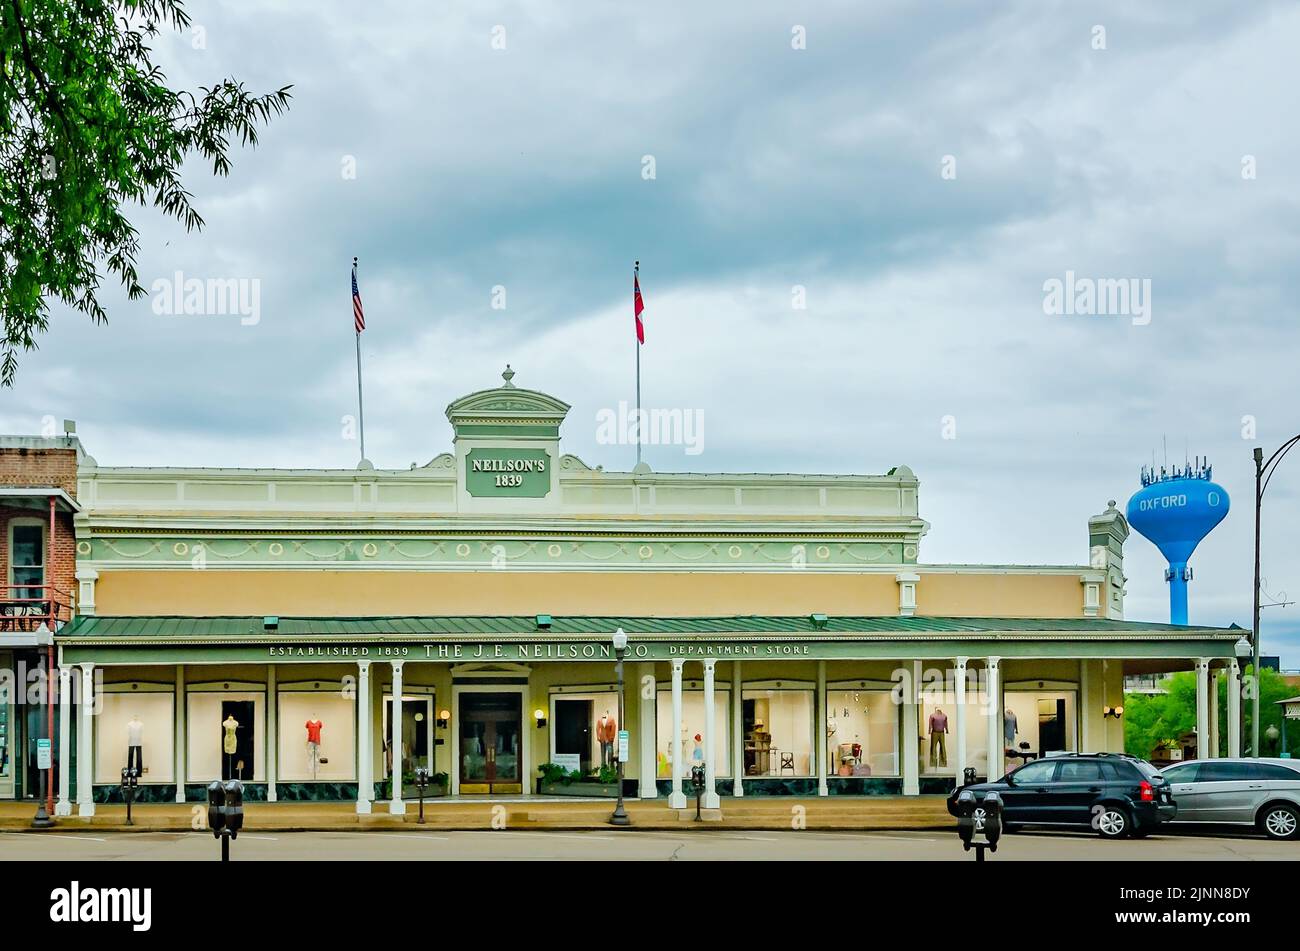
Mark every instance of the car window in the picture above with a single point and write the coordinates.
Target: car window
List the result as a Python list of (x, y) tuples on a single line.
[(1037, 772), (1270, 771), (1213, 771), (1182, 774), (1079, 772), (1145, 768)]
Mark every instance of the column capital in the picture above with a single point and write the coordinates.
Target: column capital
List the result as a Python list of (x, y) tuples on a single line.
[(364, 667), (87, 667), (992, 662), (677, 664), (709, 665), (960, 662), (397, 667)]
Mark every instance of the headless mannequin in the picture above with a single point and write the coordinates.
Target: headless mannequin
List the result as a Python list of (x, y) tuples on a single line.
[(938, 725), (135, 744), (606, 731), (229, 741), (314, 726)]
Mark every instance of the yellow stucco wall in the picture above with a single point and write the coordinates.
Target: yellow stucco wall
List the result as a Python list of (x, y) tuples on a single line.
[(369, 593)]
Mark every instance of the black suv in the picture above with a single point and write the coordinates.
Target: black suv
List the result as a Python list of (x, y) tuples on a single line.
[(1116, 794)]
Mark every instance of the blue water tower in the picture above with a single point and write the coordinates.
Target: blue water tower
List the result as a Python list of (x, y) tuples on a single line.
[(1175, 509)]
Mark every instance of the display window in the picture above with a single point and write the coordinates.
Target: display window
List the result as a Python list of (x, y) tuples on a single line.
[(226, 729), (1037, 723), (135, 729), (692, 727), (862, 727), (417, 737), (778, 730), (318, 733), (584, 729), (937, 724)]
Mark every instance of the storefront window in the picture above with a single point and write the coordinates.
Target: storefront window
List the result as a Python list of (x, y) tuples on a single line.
[(225, 736), (317, 741), (692, 726), (937, 740), (1037, 723), (584, 730), (135, 729), (861, 733), (778, 730), (417, 737)]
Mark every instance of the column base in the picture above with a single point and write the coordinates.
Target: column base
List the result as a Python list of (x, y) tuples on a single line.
[(397, 807), (822, 788), (677, 800), (710, 800), (647, 791), (363, 807), (86, 809), (911, 788), (63, 807), (270, 793)]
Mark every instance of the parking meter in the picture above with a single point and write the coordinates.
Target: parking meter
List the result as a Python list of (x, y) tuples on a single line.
[(130, 779), (421, 783), (234, 808), (968, 776), (697, 783), (979, 823), (216, 808)]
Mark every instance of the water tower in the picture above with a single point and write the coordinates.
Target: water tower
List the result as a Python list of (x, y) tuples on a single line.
[(1175, 509)]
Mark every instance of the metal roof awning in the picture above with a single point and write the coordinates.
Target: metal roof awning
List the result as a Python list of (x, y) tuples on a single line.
[(36, 497)]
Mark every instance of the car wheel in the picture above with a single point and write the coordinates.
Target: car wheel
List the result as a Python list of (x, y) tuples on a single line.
[(1280, 822), (1112, 823)]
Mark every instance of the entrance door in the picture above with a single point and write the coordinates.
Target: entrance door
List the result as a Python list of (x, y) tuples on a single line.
[(491, 743)]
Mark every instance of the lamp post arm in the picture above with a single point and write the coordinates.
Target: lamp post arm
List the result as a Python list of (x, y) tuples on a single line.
[(1274, 460)]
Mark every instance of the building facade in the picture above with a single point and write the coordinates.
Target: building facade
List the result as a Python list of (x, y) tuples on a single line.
[(320, 634)]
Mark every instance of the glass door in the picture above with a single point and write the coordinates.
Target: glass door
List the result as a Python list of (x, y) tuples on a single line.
[(491, 743)]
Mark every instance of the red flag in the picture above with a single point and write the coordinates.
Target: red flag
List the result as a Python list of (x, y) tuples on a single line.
[(637, 306)]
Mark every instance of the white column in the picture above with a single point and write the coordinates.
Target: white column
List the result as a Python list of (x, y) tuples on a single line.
[(997, 762), (64, 806), (737, 731), (911, 731), (819, 734), (1202, 707), (272, 730), (179, 751), (959, 716), (85, 744), (1087, 709), (1234, 709), (649, 714), (711, 800), (1213, 751), (365, 784), (396, 806), (677, 798)]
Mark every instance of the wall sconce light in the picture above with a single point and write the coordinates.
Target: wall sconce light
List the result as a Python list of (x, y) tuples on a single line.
[(540, 716), (1115, 712), (444, 716)]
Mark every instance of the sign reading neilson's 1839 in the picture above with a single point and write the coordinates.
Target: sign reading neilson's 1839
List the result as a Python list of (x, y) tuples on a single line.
[(508, 473)]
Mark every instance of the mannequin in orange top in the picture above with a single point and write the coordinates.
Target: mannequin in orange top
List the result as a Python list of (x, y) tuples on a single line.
[(314, 726), (606, 732)]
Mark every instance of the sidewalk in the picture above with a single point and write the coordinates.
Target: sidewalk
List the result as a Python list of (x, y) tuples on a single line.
[(770, 813)]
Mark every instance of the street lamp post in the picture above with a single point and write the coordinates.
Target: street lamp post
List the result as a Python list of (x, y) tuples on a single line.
[(620, 817), (1263, 473)]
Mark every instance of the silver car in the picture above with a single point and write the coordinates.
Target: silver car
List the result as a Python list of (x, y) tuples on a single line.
[(1257, 792)]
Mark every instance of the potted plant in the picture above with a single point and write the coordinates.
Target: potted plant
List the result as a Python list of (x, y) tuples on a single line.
[(556, 780)]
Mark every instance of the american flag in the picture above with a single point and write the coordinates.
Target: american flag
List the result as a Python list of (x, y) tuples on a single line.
[(637, 307), (358, 312)]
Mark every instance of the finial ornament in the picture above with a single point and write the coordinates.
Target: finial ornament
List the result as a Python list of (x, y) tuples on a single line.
[(508, 375)]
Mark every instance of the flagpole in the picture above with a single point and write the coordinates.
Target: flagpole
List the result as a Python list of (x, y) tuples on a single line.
[(636, 272), (361, 406)]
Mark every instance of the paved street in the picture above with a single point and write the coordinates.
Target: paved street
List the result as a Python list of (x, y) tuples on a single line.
[(630, 845)]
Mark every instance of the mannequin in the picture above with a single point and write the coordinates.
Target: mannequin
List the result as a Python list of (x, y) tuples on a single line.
[(1009, 726), (229, 742), (135, 744), (938, 726), (606, 732), (314, 726)]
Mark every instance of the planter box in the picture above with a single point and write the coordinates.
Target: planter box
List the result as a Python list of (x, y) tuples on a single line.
[(588, 790)]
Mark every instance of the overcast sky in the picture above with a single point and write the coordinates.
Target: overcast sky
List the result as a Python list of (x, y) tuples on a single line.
[(920, 170)]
